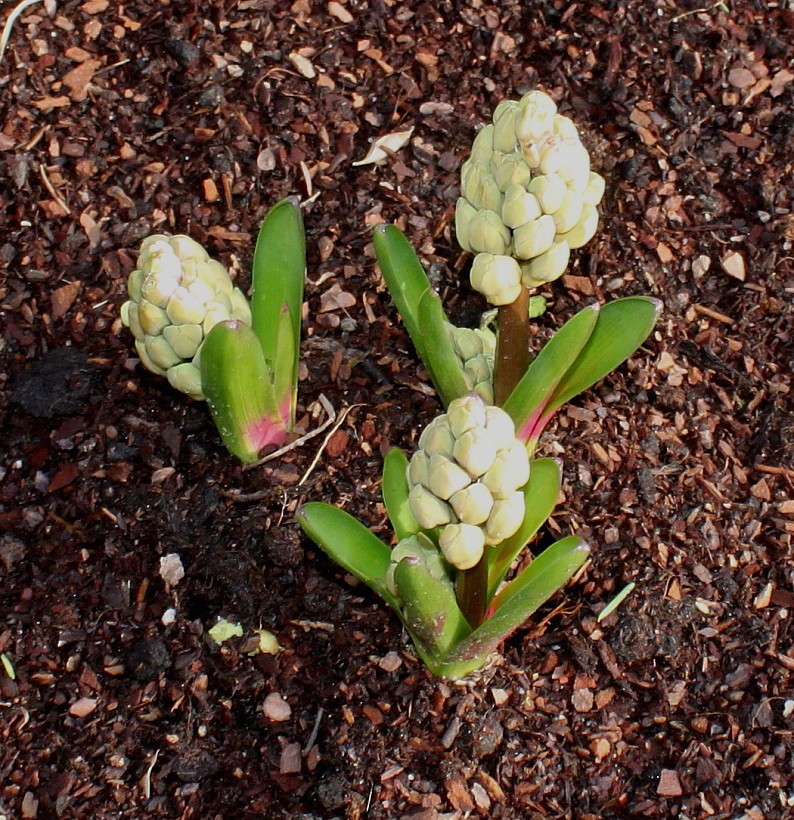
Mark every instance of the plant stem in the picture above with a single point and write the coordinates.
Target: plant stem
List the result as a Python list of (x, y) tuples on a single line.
[(472, 592), (512, 346)]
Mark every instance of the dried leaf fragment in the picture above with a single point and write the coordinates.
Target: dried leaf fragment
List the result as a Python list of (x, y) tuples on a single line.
[(386, 145), (78, 79)]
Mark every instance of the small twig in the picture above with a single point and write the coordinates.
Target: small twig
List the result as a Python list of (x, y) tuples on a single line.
[(51, 188), (9, 24), (315, 730), (697, 11), (766, 468), (342, 417), (714, 314)]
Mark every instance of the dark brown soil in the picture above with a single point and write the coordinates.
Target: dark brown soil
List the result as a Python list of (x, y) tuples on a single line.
[(194, 118)]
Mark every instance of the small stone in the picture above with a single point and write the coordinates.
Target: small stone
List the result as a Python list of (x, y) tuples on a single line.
[(171, 569), (733, 265), (276, 708)]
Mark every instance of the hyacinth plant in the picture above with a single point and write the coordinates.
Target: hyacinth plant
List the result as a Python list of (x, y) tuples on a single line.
[(192, 325), (473, 495)]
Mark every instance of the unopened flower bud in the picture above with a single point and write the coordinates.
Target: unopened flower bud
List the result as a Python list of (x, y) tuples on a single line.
[(505, 518), (497, 277), (427, 509), (462, 545)]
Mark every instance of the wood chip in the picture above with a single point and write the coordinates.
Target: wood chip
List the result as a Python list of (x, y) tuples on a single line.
[(383, 147), (340, 12), (390, 662), (582, 700), (210, 190), (303, 65), (78, 79), (669, 784), (63, 298)]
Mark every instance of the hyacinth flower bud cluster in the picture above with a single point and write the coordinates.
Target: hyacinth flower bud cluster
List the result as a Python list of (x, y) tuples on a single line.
[(177, 295), (528, 198), (466, 478), (475, 350)]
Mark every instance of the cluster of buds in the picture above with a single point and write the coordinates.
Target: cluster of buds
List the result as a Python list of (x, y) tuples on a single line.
[(466, 478), (177, 295), (475, 350), (528, 198)]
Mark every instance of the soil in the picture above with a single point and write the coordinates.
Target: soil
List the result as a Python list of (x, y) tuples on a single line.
[(122, 120)]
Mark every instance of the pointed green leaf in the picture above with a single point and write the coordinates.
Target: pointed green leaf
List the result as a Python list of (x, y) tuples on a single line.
[(285, 378), (349, 543), (238, 385), (622, 326), (395, 494), (439, 357), (278, 274), (404, 275), (420, 308), (528, 401), (549, 572), (430, 610), (540, 496)]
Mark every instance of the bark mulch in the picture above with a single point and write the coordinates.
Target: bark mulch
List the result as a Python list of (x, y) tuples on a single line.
[(122, 120)]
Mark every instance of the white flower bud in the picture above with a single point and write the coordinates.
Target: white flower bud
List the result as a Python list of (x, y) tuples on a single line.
[(464, 212), (186, 378), (437, 438), (445, 477), (465, 413), (487, 232), (482, 147), (550, 190), (505, 518), (569, 212), (519, 207), (184, 339), (500, 426), (547, 266), (472, 504), (583, 231), (177, 295), (508, 473), (428, 510), (534, 238), (418, 471), (497, 277), (475, 451), (462, 545)]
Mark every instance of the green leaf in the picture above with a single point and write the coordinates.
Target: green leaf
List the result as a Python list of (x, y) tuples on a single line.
[(540, 496), (439, 358), (278, 274), (622, 326), (349, 543), (404, 275), (420, 309), (430, 610), (238, 385), (395, 494), (583, 351), (528, 401), (549, 572)]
